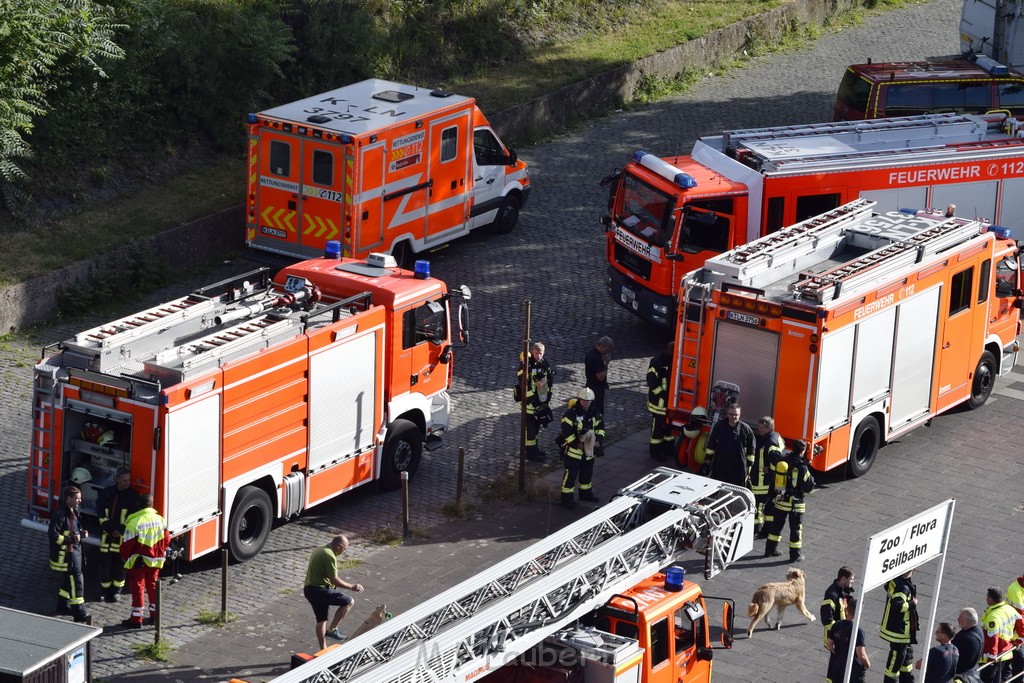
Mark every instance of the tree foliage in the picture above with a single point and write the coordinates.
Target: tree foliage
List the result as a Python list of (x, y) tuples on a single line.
[(41, 43)]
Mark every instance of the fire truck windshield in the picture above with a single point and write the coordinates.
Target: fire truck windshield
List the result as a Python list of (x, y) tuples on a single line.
[(646, 212)]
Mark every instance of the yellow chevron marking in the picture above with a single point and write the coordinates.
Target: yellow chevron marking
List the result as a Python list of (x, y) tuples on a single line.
[(333, 229), (277, 218), (265, 216), (288, 221)]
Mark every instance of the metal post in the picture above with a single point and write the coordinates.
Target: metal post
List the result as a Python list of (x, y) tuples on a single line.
[(522, 395), (458, 479), (224, 583), (159, 609), (405, 504)]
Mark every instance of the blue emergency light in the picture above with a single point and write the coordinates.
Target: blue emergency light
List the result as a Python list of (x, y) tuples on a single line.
[(664, 169), (251, 118), (1000, 232), (421, 270), (332, 249)]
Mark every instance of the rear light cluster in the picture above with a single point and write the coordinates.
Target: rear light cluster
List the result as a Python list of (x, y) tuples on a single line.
[(758, 306), (343, 138)]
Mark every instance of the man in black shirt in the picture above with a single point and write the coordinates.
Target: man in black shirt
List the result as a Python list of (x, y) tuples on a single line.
[(595, 364), (838, 643), (968, 641), (730, 448), (942, 658)]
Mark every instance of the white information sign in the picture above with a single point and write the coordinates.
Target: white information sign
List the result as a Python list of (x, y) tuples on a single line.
[(909, 544)]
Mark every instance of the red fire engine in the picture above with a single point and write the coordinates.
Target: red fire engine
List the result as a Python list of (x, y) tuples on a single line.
[(667, 216), (250, 400), (851, 328)]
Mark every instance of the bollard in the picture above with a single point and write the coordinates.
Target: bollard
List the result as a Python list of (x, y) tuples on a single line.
[(405, 504), (458, 479), (159, 610), (523, 379), (224, 583)]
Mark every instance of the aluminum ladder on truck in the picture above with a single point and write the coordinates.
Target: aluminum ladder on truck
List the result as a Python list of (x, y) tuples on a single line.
[(503, 611), (691, 321), (883, 262), (40, 464)]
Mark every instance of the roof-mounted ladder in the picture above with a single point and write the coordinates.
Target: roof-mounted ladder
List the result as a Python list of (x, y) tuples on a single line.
[(509, 608), (40, 466), (880, 263), (794, 248)]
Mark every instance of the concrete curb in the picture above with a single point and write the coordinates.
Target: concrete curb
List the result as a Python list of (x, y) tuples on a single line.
[(207, 239)]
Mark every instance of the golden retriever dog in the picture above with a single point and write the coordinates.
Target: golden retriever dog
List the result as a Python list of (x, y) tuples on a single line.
[(779, 595)]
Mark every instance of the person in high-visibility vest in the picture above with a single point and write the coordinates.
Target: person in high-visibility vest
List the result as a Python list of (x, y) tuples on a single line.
[(900, 624), (768, 450), (582, 440), (1002, 628), (1015, 599), (540, 380), (143, 549), (660, 442)]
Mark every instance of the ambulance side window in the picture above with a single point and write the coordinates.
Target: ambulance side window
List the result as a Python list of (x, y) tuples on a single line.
[(811, 205), (280, 158), (960, 291), (428, 322), (323, 167), (449, 144), (659, 642), (487, 149)]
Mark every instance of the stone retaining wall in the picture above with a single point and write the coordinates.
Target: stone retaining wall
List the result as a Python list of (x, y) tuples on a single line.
[(207, 239)]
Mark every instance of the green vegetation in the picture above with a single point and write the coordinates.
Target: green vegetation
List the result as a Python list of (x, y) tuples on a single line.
[(345, 565), (215, 618), (505, 489), (135, 109), (154, 652), (386, 536)]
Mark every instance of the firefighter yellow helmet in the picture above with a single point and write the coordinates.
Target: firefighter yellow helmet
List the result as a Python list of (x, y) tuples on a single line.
[(80, 475)]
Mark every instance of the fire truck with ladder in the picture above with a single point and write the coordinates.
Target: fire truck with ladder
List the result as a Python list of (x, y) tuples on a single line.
[(851, 328), (590, 600), (251, 399), (667, 216)]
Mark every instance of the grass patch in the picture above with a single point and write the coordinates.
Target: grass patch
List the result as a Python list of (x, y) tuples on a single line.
[(505, 489), (349, 564), (454, 510), (386, 536), (154, 652), (215, 618)]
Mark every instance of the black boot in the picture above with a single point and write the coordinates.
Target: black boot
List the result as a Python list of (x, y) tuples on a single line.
[(656, 451), (796, 556), (533, 453), (771, 549), (62, 606), (82, 617), (588, 495), (568, 501)]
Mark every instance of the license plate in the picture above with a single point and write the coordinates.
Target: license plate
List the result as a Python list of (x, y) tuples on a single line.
[(743, 318), (628, 295)]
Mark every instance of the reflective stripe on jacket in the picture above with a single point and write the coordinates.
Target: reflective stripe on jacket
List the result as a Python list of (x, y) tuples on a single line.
[(145, 538), (1000, 626)]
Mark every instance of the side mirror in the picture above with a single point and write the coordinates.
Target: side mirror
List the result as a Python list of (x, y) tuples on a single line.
[(446, 355), (606, 220), (705, 654), (512, 159)]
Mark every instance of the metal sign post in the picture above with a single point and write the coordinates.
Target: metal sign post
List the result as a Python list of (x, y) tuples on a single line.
[(896, 551), (523, 379)]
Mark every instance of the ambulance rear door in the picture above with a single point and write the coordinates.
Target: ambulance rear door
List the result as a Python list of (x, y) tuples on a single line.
[(369, 200), (451, 148), (321, 204), (277, 195)]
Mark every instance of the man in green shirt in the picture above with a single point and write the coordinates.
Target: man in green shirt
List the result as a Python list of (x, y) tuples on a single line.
[(321, 589)]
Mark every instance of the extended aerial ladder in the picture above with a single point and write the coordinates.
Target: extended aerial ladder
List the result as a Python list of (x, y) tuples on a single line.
[(502, 612)]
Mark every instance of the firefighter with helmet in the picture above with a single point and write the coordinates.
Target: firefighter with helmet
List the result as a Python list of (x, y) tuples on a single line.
[(582, 439), (540, 379), (792, 481)]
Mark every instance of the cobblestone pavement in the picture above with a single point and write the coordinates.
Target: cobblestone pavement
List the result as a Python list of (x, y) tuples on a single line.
[(556, 260)]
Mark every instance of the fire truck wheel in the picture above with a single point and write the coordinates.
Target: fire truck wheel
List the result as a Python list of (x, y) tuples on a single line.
[(250, 523), (402, 449), (865, 447), (508, 215), (984, 380)]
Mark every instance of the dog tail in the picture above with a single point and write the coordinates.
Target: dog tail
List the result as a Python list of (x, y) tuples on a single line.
[(752, 609)]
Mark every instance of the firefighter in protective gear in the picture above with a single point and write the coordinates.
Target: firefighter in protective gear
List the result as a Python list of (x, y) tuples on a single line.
[(1002, 629), (115, 504), (540, 380), (788, 502), (660, 443), (768, 450), (65, 534), (143, 549), (582, 438), (899, 628), (835, 606)]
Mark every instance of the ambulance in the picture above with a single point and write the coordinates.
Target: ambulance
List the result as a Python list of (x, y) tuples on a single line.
[(851, 328), (668, 216), (380, 167)]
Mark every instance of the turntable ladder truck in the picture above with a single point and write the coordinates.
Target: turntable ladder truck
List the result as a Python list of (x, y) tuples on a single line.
[(868, 324), (591, 591)]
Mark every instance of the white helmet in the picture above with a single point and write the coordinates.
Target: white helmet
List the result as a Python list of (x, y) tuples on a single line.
[(80, 475), (586, 394)]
